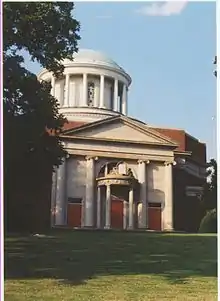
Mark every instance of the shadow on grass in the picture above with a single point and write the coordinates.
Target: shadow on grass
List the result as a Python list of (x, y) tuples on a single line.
[(76, 256)]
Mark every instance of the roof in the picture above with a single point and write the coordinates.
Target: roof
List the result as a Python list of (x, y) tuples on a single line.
[(88, 56), (72, 125)]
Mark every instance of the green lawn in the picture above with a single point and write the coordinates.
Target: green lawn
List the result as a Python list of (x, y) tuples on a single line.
[(110, 266)]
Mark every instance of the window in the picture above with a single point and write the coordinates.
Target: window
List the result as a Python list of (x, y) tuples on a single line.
[(91, 94), (74, 200)]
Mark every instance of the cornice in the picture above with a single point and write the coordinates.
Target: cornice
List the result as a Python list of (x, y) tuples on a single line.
[(120, 141), (118, 155), (88, 65)]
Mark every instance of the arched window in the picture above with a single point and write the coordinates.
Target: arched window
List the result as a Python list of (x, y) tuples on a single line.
[(91, 94)]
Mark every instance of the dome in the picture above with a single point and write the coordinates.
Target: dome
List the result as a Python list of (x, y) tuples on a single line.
[(89, 56), (92, 87)]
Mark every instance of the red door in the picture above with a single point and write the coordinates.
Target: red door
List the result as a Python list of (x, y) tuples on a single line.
[(154, 217), (117, 213), (74, 215)]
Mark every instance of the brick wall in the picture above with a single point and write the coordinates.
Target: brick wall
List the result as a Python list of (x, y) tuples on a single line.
[(186, 143)]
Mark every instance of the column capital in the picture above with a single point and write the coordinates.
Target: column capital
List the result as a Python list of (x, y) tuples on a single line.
[(166, 163), (131, 189), (143, 161), (91, 158)]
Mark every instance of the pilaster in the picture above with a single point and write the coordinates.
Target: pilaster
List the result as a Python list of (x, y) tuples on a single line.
[(167, 216), (142, 177)]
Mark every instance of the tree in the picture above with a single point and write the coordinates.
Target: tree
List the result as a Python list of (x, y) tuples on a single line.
[(49, 33), (215, 63), (210, 189)]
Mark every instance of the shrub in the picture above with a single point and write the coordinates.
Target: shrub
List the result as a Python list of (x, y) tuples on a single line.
[(209, 222)]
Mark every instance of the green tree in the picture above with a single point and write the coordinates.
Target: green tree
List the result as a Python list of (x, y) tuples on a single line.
[(49, 33), (210, 189), (215, 63)]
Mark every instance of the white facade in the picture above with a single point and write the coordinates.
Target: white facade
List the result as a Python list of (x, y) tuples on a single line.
[(89, 152), (94, 90)]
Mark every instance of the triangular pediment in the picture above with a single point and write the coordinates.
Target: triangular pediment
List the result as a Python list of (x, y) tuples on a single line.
[(121, 129)]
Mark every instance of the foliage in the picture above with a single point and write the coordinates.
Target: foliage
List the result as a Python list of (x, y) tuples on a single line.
[(209, 222), (48, 33), (215, 63), (209, 200)]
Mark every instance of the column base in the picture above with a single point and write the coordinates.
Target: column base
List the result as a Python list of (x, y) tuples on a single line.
[(107, 227), (130, 228), (168, 230)]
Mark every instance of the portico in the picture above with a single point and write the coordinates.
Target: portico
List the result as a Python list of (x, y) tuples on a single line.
[(114, 178)]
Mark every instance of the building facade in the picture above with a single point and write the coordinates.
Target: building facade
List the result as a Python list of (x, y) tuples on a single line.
[(120, 172)]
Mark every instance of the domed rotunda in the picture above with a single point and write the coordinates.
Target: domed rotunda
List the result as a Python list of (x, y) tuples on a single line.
[(93, 87)]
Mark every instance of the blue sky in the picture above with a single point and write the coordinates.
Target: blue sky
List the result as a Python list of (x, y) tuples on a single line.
[(168, 49)]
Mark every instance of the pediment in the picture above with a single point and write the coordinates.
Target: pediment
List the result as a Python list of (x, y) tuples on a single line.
[(120, 129)]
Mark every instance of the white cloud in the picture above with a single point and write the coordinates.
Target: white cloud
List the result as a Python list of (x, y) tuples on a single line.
[(163, 9)]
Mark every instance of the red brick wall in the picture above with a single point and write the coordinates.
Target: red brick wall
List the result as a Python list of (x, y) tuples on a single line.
[(186, 143), (177, 136)]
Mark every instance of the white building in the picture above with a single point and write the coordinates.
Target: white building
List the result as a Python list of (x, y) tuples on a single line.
[(119, 173)]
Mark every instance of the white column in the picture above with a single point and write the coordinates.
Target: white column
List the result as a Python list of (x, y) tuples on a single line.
[(108, 207), (125, 210), (90, 186), (97, 96), (124, 100), (106, 170), (85, 90), (131, 207), (167, 217), (61, 195), (116, 95), (102, 91), (99, 207), (53, 86), (61, 96), (66, 98), (72, 96), (142, 221)]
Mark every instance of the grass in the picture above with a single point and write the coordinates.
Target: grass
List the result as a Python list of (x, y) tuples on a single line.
[(110, 266)]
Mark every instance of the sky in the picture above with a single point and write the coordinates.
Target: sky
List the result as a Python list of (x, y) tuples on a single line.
[(168, 50)]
